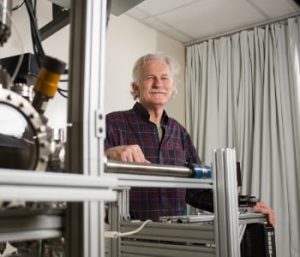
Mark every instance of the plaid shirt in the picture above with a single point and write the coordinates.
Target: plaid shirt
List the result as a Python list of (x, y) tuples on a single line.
[(176, 148)]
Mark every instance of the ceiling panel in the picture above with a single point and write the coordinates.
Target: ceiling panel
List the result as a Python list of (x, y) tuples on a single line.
[(190, 20), (275, 8), (137, 14), (156, 7), (168, 30), (209, 17)]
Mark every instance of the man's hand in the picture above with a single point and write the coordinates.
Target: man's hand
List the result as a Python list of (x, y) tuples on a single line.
[(126, 153), (264, 208)]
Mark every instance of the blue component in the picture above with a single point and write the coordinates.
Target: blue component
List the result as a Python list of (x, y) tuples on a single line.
[(201, 171)]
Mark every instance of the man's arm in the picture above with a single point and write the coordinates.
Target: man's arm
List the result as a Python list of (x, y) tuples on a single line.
[(203, 199), (200, 199)]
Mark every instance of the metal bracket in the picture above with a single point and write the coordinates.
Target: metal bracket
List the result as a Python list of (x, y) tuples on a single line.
[(61, 18)]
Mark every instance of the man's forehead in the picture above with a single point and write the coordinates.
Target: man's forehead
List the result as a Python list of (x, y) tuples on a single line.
[(160, 67)]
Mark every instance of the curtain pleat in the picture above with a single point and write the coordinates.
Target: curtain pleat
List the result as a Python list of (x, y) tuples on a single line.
[(243, 91)]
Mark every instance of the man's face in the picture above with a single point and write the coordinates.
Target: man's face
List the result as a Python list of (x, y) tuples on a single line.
[(156, 84)]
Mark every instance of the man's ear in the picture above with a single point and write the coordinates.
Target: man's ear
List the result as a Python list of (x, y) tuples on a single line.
[(135, 88)]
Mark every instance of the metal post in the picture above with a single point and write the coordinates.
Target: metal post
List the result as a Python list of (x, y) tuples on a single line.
[(117, 212), (226, 203), (85, 148)]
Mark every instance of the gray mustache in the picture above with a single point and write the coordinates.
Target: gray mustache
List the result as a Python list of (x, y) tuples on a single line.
[(158, 91)]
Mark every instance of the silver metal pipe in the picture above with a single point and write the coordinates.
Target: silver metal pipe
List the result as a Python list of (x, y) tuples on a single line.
[(112, 166)]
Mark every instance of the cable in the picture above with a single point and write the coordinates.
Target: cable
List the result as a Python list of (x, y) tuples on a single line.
[(116, 234), (34, 7), (35, 34), (18, 6), (61, 92)]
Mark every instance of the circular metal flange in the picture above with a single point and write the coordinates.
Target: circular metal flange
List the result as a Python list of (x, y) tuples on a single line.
[(12, 102)]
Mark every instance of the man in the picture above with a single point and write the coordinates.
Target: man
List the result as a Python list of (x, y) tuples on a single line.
[(146, 134)]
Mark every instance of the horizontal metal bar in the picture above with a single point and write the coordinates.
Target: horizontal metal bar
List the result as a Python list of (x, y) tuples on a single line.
[(244, 218), (46, 193), (171, 232), (154, 175), (188, 218), (25, 177), (29, 235), (30, 224), (50, 186), (132, 248), (249, 218), (113, 166), (126, 180), (28, 221)]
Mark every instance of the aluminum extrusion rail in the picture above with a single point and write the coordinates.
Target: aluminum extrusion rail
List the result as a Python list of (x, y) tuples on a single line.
[(127, 180), (49, 186)]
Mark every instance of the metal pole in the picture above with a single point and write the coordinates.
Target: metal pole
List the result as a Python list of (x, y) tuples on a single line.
[(117, 212), (196, 171), (85, 148), (147, 169), (226, 203)]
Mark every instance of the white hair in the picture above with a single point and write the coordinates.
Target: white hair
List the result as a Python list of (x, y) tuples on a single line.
[(139, 64)]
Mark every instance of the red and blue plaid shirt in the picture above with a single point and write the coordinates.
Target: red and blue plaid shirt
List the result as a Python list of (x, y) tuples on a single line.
[(175, 148)]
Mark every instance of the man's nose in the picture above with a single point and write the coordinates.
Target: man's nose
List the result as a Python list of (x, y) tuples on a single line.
[(157, 82)]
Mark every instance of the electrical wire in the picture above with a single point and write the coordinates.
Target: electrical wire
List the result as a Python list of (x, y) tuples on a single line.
[(18, 6), (35, 34), (116, 234), (62, 91), (34, 7)]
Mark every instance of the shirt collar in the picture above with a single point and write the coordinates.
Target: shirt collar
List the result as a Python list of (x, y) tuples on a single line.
[(143, 113)]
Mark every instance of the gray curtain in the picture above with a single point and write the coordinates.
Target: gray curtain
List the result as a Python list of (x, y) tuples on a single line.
[(243, 91)]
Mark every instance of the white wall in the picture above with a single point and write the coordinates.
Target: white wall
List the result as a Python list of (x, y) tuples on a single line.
[(127, 40)]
